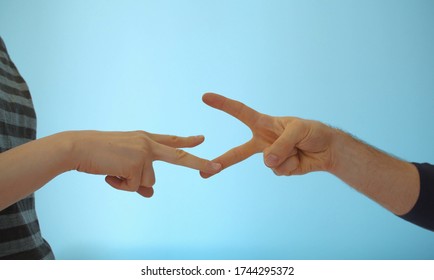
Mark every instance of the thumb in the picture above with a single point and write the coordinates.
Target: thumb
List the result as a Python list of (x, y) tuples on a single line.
[(121, 183), (285, 145)]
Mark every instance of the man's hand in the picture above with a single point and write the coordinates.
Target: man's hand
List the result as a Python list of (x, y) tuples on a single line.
[(291, 146)]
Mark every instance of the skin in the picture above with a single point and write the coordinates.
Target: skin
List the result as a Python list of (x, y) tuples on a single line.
[(124, 157), (294, 146)]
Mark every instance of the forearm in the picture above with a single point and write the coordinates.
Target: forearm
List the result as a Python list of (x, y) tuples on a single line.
[(28, 167), (391, 182)]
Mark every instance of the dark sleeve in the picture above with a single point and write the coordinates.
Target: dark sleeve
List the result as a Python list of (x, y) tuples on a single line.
[(422, 213)]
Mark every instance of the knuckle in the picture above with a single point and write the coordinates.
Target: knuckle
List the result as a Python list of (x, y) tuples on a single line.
[(174, 139), (276, 172), (296, 121), (140, 134), (180, 154), (296, 124), (236, 154), (282, 172)]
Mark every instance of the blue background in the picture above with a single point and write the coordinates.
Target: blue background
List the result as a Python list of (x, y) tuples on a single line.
[(364, 66)]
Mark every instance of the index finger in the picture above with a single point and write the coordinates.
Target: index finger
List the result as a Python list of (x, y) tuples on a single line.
[(181, 157), (177, 141), (233, 156), (234, 108)]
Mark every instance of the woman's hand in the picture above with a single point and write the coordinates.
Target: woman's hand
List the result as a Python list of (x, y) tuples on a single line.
[(126, 157)]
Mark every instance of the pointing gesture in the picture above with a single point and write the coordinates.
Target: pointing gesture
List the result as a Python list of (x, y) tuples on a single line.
[(290, 145)]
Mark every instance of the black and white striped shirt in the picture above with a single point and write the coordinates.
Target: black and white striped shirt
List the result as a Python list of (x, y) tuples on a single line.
[(20, 235)]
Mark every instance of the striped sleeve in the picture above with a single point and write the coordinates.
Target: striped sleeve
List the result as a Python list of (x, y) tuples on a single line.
[(20, 234)]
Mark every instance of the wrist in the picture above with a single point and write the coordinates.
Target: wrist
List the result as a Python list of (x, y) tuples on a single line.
[(340, 150), (66, 143)]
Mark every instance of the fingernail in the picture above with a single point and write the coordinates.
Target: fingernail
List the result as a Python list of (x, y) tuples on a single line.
[(215, 166), (271, 160)]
